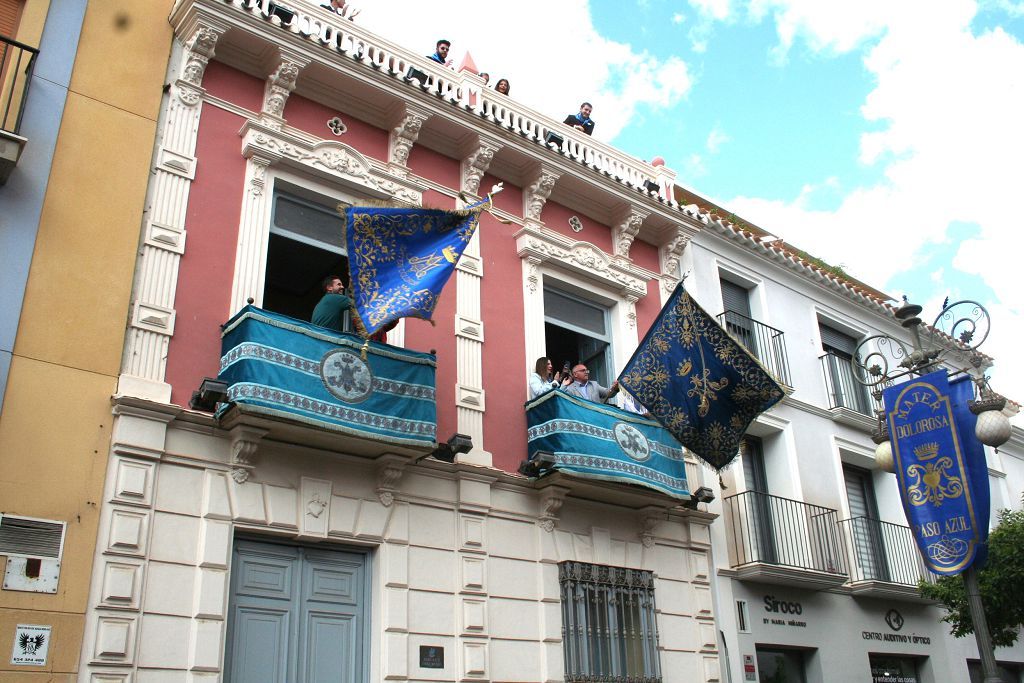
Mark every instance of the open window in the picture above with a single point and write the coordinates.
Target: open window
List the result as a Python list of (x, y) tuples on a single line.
[(306, 244), (577, 330)]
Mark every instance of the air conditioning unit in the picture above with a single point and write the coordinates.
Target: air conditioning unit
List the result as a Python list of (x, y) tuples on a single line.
[(33, 548)]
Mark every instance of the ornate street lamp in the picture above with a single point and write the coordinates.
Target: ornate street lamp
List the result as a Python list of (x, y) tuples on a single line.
[(952, 339)]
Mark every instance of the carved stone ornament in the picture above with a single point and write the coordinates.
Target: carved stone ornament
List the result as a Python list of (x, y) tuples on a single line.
[(280, 85), (584, 258), (316, 506), (537, 194), (671, 253), (261, 140), (387, 482), (244, 444), (404, 136), (337, 126), (631, 310), (198, 53), (551, 500), (476, 164), (626, 231), (258, 180), (649, 519)]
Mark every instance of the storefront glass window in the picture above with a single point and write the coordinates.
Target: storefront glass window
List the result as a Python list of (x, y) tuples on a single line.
[(780, 666), (893, 669)]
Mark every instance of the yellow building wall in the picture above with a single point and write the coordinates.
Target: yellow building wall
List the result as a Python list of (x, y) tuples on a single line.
[(55, 427)]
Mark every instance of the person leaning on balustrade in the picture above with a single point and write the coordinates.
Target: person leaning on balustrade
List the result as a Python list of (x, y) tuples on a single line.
[(582, 120), (342, 8), (543, 380)]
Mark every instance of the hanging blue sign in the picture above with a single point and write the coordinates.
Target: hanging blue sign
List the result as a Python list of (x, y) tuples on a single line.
[(941, 469)]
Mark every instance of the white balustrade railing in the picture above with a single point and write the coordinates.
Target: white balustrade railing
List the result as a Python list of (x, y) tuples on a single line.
[(350, 40)]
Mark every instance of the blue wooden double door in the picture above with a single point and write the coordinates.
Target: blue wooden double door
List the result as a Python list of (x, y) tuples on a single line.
[(297, 615)]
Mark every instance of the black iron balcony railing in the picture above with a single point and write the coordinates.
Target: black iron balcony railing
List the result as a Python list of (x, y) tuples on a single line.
[(844, 391), (16, 64), (772, 530), (764, 341), (882, 551)]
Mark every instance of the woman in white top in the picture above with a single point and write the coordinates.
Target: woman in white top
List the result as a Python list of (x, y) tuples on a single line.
[(542, 380)]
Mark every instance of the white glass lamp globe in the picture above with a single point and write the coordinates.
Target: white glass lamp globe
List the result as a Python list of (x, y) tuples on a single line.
[(883, 456), (993, 428)]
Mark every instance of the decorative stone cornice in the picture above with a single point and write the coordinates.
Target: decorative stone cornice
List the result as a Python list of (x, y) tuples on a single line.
[(538, 191), (280, 84), (538, 245), (326, 157), (476, 164), (404, 135), (626, 231)]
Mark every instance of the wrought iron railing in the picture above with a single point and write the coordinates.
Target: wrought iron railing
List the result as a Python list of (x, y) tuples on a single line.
[(16, 63), (772, 530), (844, 391), (764, 341), (882, 551)]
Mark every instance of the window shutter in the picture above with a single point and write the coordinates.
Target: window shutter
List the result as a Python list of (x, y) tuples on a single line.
[(735, 298), (832, 338), (10, 16)]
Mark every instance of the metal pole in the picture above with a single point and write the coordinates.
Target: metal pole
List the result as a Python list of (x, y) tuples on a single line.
[(981, 635)]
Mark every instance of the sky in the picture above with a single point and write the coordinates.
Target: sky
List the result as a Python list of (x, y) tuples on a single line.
[(884, 137)]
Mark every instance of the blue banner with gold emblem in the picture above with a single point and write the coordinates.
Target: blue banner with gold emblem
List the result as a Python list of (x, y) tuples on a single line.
[(599, 441), (400, 259), (697, 381), (941, 469)]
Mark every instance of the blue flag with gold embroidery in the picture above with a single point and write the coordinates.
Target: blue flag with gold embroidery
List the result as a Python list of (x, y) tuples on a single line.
[(701, 384), (400, 259)]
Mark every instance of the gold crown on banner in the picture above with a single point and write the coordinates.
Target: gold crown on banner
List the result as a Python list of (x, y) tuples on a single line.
[(926, 451)]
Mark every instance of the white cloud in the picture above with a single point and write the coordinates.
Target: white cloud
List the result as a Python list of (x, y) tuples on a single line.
[(718, 10), (716, 138), (550, 52), (947, 105), (678, 18)]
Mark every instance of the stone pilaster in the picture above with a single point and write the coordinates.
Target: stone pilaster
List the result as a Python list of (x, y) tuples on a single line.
[(152, 315)]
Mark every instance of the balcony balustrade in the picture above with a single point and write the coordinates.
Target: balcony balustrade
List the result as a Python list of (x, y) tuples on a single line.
[(844, 391), (589, 441), (764, 341), (783, 541), (16, 64), (308, 384), (884, 559), (340, 38)]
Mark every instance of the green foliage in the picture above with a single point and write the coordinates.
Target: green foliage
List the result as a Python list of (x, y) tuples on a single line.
[(838, 271), (1001, 582)]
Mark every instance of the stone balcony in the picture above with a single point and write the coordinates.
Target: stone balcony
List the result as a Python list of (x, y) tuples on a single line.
[(294, 382)]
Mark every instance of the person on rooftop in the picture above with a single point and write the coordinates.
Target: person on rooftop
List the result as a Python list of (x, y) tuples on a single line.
[(343, 8), (441, 52), (486, 76), (582, 121), (502, 86)]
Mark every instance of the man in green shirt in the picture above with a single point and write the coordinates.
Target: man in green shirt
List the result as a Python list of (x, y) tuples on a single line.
[(330, 312)]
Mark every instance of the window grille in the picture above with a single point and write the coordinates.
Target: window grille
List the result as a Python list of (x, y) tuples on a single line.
[(608, 625)]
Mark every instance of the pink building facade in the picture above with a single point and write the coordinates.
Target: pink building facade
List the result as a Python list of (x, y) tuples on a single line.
[(245, 547)]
